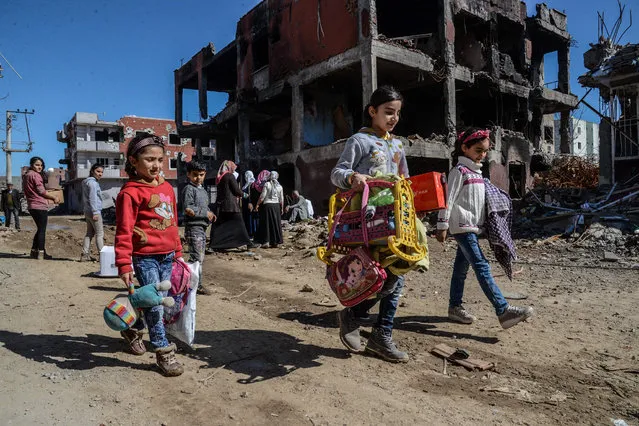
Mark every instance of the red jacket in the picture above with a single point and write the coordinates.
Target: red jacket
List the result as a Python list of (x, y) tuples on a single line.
[(146, 222)]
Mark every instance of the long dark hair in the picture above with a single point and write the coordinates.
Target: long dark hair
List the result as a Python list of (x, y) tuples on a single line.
[(94, 168), (464, 139), (137, 145), (381, 96), (43, 173)]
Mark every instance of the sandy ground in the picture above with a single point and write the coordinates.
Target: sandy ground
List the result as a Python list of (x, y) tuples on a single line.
[(265, 354)]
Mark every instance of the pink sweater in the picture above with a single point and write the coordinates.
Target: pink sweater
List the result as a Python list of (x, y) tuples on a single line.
[(33, 188)]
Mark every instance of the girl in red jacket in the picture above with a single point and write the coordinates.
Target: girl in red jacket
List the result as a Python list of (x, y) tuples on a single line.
[(147, 233)]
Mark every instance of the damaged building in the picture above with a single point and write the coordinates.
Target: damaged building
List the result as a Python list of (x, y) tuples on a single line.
[(90, 140), (614, 70), (299, 73)]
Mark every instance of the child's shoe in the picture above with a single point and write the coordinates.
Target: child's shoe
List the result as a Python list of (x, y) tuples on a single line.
[(349, 330), (381, 344), (460, 314), (134, 339), (202, 289), (167, 361), (513, 315)]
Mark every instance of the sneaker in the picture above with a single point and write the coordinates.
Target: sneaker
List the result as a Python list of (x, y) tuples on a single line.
[(86, 258), (460, 314), (202, 289), (513, 315), (134, 339), (381, 344), (349, 330), (254, 245), (168, 363)]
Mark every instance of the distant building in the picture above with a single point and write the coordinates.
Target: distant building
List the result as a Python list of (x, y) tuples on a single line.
[(584, 138), (614, 70), (90, 140)]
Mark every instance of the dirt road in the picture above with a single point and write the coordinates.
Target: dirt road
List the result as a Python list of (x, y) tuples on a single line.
[(266, 354)]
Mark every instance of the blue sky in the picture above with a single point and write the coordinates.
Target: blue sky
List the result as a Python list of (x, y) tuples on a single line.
[(117, 57)]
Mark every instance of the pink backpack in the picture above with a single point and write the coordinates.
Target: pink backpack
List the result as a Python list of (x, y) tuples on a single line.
[(355, 277), (180, 288)]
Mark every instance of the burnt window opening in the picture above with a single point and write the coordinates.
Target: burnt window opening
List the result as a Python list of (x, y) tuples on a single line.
[(260, 52), (472, 42), (174, 139), (102, 135), (510, 42), (414, 24), (517, 180), (173, 164), (140, 133), (115, 137), (549, 134)]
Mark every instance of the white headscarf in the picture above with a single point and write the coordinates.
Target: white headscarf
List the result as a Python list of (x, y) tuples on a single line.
[(249, 178)]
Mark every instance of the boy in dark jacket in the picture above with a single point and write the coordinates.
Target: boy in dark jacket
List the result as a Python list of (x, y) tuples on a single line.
[(197, 216)]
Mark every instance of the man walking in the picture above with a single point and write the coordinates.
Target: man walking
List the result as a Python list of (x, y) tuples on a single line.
[(11, 205)]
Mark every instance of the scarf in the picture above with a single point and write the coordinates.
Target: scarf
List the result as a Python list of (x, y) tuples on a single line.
[(227, 167), (262, 178), (498, 224), (249, 178)]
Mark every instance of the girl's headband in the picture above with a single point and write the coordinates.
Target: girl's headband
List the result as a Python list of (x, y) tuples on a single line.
[(479, 134), (151, 140)]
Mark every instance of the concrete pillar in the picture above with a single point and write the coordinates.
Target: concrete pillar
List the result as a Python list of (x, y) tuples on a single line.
[(565, 144), (369, 75), (178, 100), (243, 150), (202, 92), (538, 71), (367, 22), (537, 128), (297, 118), (298, 178), (564, 69), (447, 30)]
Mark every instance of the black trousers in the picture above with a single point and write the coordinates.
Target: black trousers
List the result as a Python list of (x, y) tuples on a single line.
[(12, 212), (40, 217)]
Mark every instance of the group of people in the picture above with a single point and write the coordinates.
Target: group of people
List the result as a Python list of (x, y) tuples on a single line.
[(147, 238), (249, 216)]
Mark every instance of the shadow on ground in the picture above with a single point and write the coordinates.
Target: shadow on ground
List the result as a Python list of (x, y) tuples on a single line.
[(69, 352), (258, 354)]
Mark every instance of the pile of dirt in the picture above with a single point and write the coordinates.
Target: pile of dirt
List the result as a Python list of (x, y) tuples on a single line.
[(308, 234)]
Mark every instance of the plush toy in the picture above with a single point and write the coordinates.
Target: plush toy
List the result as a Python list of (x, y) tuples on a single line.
[(122, 312)]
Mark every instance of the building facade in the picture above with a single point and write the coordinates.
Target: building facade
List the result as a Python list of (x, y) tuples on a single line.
[(299, 74), (584, 138), (90, 140)]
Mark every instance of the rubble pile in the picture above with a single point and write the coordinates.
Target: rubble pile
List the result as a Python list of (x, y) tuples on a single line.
[(308, 234), (570, 172), (605, 238)]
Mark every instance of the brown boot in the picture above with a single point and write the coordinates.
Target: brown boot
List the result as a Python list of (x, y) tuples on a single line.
[(134, 339), (202, 289), (168, 363)]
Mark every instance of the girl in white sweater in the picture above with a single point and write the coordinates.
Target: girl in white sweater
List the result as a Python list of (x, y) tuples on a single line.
[(464, 218)]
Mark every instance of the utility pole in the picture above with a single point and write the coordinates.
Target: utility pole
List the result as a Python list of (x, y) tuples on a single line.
[(7, 145)]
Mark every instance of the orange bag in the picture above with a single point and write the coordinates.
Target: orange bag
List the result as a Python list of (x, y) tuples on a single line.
[(430, 191)]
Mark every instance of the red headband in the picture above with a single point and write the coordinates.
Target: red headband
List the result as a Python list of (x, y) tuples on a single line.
[(479, 134)]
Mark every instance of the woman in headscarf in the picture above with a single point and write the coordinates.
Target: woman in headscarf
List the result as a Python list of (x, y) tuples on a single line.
[(228, 232), (250, 196), (270, 207)]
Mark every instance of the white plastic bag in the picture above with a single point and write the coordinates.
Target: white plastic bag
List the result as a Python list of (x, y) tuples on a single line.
[(184, 328)]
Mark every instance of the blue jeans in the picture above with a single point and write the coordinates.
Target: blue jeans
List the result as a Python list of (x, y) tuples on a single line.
[(387, 303), (469, 253), (151, 270)]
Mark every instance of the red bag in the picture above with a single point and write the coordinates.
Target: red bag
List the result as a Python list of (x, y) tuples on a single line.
[(355, 277), (180, 288)]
